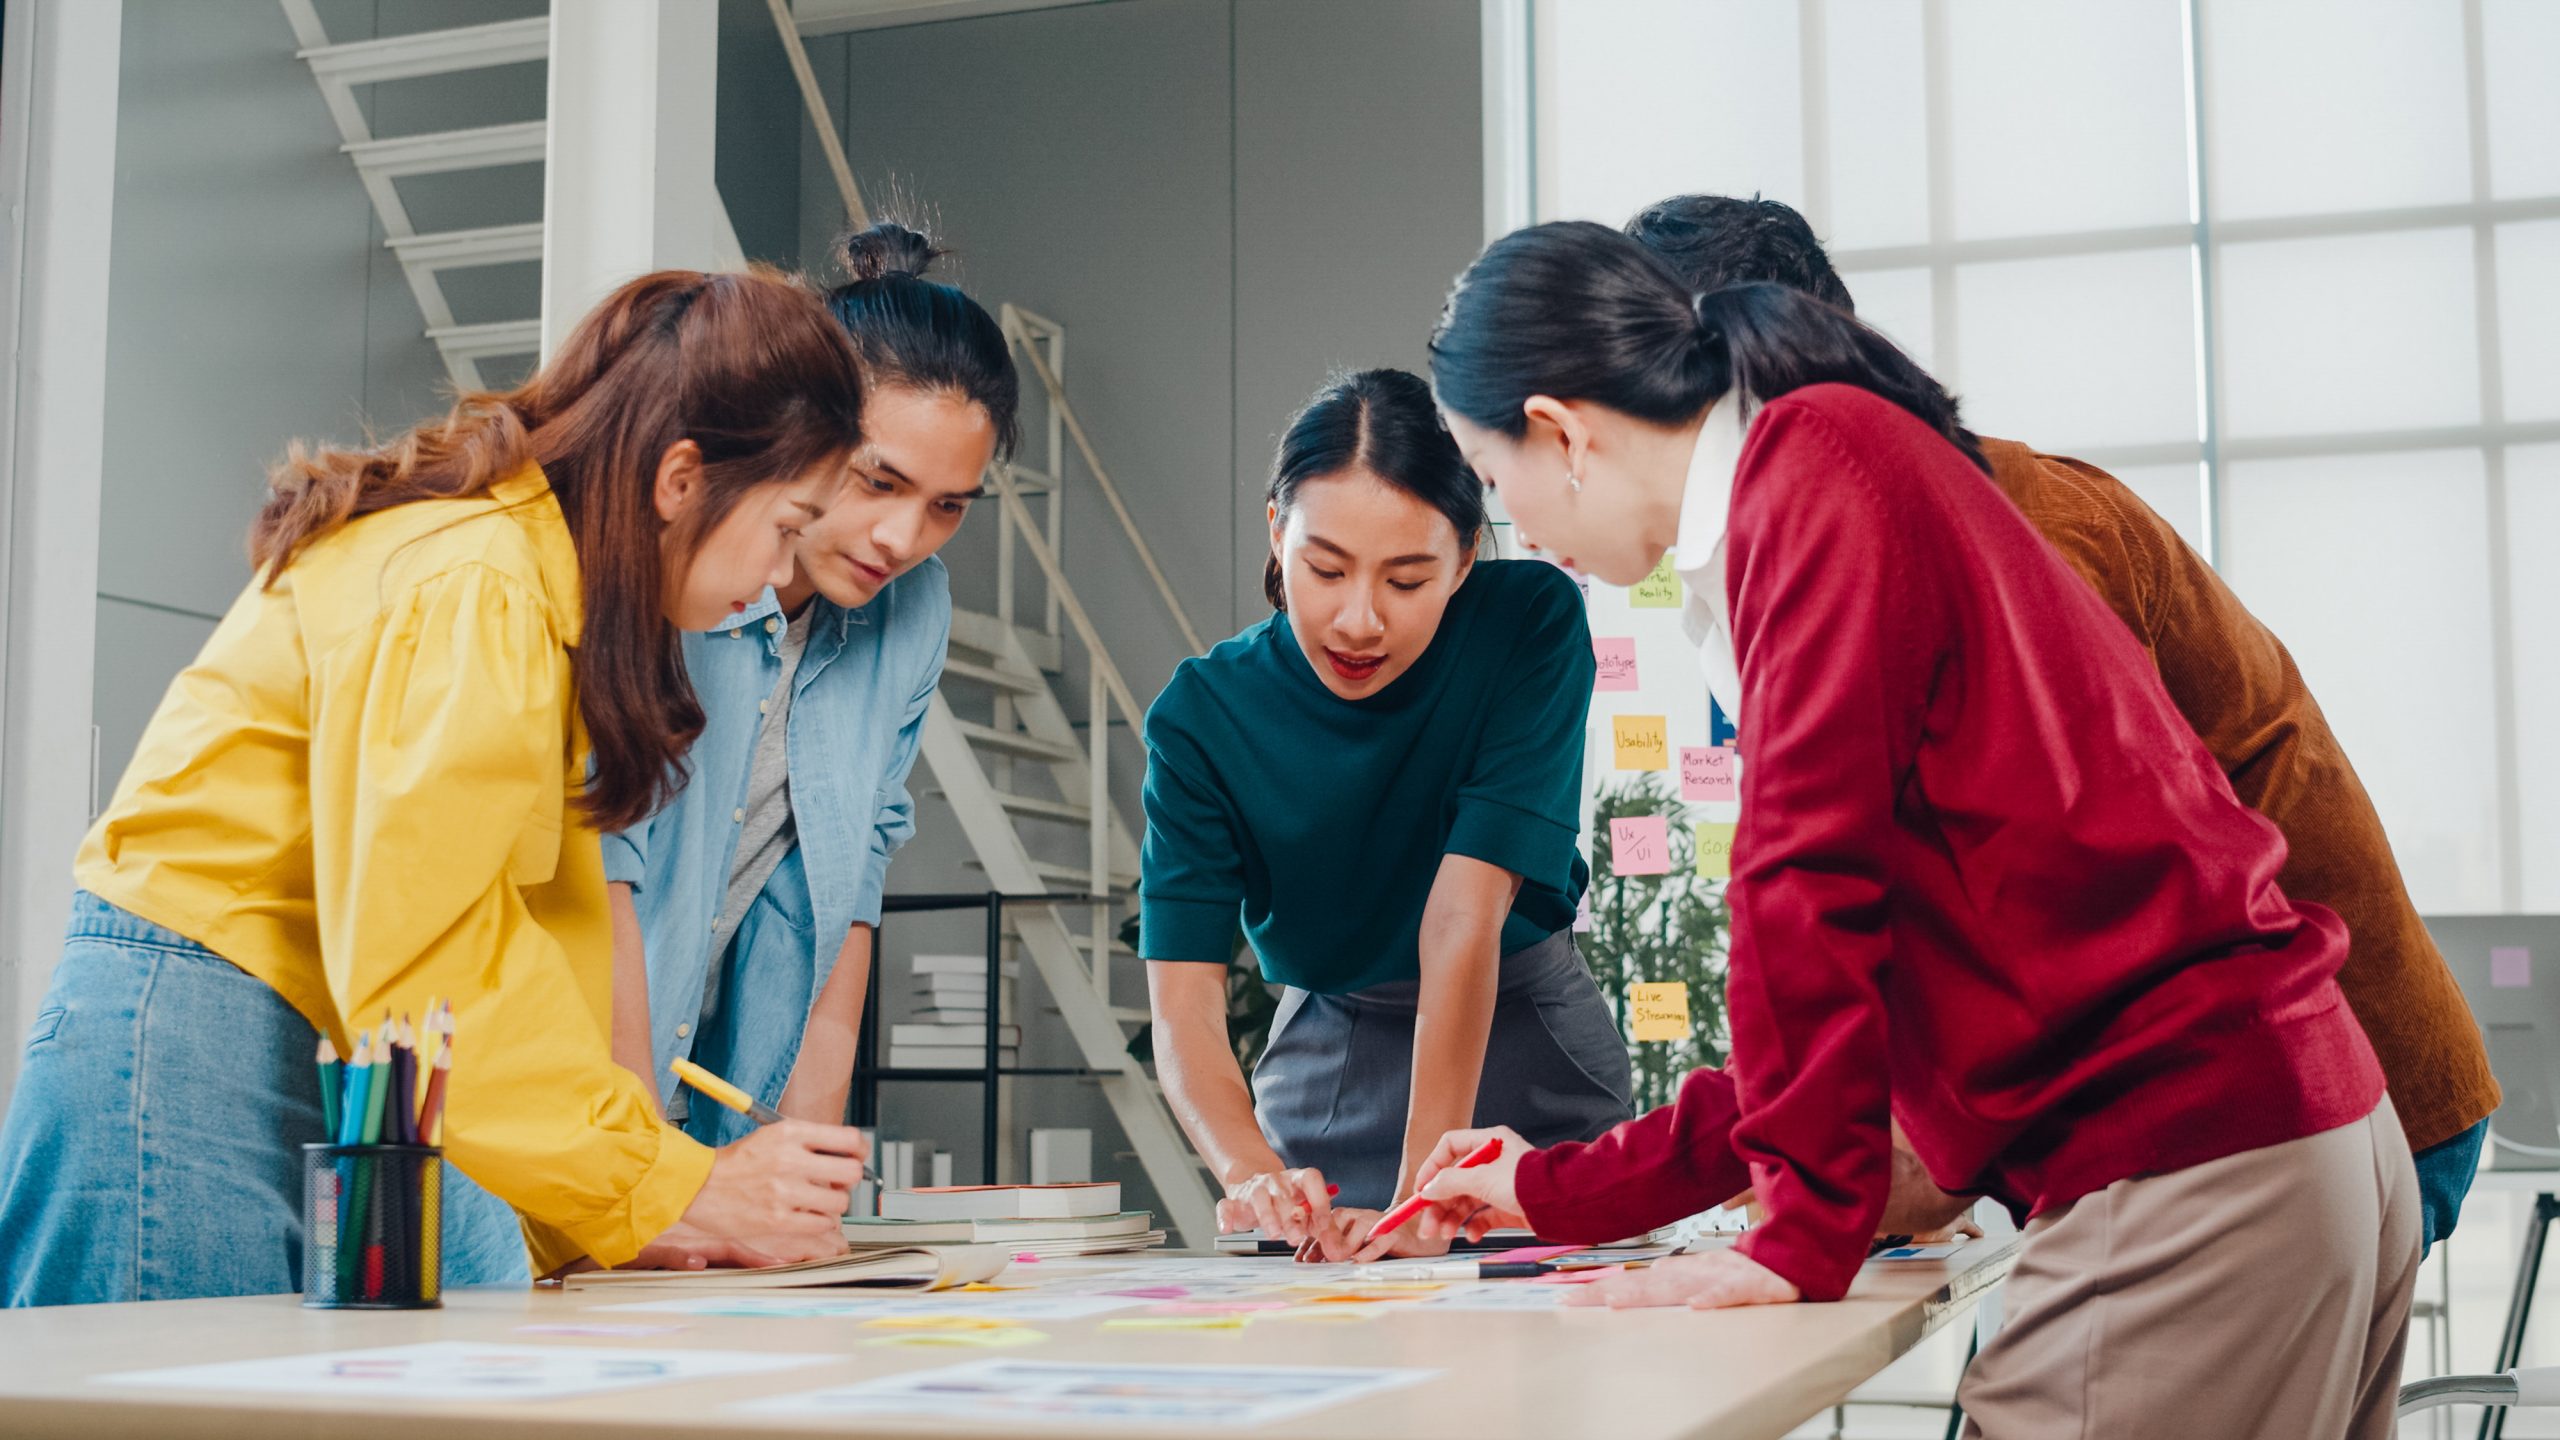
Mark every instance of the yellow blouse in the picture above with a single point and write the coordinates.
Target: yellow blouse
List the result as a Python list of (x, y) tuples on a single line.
[(358, 793)]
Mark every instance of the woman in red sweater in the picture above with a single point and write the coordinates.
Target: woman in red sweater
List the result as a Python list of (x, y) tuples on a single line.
[(1987, 881)]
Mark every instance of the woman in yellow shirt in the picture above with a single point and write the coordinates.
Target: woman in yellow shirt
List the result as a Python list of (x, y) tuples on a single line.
[(366, 791)]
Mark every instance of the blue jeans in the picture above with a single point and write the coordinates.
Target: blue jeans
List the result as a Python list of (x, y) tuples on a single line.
[(151, 1150), (2445, 1172)]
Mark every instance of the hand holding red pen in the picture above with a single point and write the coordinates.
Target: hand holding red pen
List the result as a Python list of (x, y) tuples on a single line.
[(1461, 1189)]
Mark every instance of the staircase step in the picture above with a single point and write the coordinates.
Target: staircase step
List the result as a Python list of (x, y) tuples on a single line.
[(498, 337), (988, 635), (1133, 1014), (438, 151), (1000, 677), (432, 52), (1065, 879), (1014, 742), (461, 249), (1038, 809)]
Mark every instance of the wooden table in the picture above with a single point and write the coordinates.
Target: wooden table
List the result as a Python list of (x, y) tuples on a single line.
[(1633, 1375)]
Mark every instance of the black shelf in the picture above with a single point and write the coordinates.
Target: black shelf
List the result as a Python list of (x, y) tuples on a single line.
[(869, 1075)]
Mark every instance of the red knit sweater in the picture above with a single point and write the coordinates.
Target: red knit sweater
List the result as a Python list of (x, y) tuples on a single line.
[(1986, 876)]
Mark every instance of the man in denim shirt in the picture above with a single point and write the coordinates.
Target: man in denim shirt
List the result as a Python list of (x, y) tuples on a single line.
[(752, 898)]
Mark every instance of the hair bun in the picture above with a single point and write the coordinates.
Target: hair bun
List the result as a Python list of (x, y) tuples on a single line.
[(888, 248)]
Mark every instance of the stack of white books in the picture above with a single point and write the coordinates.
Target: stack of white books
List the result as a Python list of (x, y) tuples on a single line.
[(949, 1031)]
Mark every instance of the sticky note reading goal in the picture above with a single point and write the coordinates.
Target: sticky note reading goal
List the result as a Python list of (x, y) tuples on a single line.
[(1706, 773), (1715, 851), (1658, 1012), (1657, 591), (1616, 657), (1640, 845), (1643, 741)]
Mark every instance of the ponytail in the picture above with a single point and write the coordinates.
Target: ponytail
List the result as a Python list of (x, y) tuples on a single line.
[(1578, 311)]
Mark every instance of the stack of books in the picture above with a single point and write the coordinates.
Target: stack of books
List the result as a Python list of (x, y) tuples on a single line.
[(949, 1031), (1047, 1221)]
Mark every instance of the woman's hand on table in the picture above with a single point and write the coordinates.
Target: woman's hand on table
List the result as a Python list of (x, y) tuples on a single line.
[(1289, 1205), (781, 1191), (1717, 1280), (683, 1247), (1347, 1238)]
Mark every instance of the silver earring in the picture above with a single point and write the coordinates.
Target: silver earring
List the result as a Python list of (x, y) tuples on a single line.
[(1574, 480)]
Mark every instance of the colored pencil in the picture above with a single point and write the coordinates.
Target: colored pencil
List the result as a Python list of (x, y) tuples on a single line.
[(329, 1082), (377, 1091), (431, 1113)]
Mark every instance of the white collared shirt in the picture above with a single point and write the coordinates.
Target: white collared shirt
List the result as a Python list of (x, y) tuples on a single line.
[(1698, 557)]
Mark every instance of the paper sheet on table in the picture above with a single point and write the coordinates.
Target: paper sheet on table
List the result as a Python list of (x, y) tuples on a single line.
[(1022, 1305), (464, 1371), (1015, 1391)]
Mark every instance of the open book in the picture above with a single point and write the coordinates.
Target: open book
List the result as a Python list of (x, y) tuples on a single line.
[(909, 1268)]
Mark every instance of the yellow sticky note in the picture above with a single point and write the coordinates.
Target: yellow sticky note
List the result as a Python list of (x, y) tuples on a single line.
[(1715, 851), (1176, 1322), (1659, 1012), (1004, 1339), (1644, 741), (937, 1322), (1657, 591)]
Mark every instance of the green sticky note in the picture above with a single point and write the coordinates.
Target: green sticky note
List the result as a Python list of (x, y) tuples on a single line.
[(1657, 591)]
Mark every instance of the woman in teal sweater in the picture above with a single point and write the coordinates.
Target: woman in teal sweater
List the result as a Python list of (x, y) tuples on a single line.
[(1382, 783)]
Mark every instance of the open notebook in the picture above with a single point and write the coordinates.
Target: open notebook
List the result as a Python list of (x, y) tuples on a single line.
[(911, 1268)]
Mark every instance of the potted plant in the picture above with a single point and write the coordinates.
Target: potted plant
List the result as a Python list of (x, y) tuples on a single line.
[(1654, 929)]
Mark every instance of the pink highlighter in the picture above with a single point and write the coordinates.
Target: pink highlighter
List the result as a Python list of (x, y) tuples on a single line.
[(1484, 1154)]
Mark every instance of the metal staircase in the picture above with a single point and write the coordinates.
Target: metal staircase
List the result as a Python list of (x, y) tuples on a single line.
[(1030, 789)]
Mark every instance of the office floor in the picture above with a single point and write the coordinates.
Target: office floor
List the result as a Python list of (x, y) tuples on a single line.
[(2483, 1258)]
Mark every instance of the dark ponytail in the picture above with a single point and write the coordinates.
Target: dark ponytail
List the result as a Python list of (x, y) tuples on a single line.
[(1383, 422), (1578, 311), (921, 333)]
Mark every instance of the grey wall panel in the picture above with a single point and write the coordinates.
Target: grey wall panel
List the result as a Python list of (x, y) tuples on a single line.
[(140, 649)]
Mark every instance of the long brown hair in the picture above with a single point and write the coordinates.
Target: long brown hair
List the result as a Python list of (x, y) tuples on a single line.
[(750, 367)]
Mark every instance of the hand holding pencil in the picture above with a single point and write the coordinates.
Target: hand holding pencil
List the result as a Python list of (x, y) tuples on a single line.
[(779, 1194), (1458, 1198)]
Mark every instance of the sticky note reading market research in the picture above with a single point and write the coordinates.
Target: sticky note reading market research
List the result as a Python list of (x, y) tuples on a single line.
[(1706, 773), (1643, 741), (1616, 657), (1658, 1012), (1715, 851), (1640, 845)]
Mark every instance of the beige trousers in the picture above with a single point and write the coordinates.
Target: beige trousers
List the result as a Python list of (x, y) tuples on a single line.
[(2258, 1296)]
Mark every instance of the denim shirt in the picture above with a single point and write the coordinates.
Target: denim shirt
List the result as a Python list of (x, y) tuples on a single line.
[(858, 704)]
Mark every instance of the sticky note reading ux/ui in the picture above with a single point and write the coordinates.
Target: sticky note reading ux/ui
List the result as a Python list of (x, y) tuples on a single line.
[(1640, 845), (1642, 742), (1715, 851), (1657, 591), (1706, 773), (1617, 661), (1658, 1012), (2510, 968)]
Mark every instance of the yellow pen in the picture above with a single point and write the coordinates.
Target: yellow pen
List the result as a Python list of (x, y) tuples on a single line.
[(712, 1087)]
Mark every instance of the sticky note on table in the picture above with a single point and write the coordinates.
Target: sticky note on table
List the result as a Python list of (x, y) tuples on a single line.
[(1715, 851), (1657, 591), (1616, 656), (2510, 968), (1640, 845), (1643, 741), (1706, 773), (1659, 1012)]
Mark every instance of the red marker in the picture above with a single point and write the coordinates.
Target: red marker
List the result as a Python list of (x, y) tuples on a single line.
[(1484, 1154)]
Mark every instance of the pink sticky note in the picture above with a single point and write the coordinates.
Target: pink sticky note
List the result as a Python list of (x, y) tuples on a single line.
[(1706, 773), (1573, 1277), (1156, 1292), (1617, 660), (2510, 968), (1638, 845), (1582, 914)]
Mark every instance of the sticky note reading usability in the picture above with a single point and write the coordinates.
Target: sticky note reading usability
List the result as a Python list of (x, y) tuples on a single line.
[(1715, 851), (1640, 845), (1658, 1012), (1643, 742), (1617, 661), (2510, 968), (1657, 591), (1706, 773)]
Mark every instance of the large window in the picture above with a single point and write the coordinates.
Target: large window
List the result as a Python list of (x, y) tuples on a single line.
[(2289, 268)]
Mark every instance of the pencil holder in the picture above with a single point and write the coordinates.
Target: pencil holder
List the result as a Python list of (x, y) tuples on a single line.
[(372, 1227)]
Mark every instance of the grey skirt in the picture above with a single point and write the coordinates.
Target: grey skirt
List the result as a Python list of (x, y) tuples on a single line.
[(1331, 1090)]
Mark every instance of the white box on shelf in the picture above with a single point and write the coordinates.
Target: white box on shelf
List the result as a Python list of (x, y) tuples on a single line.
[(1061, 1156)]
